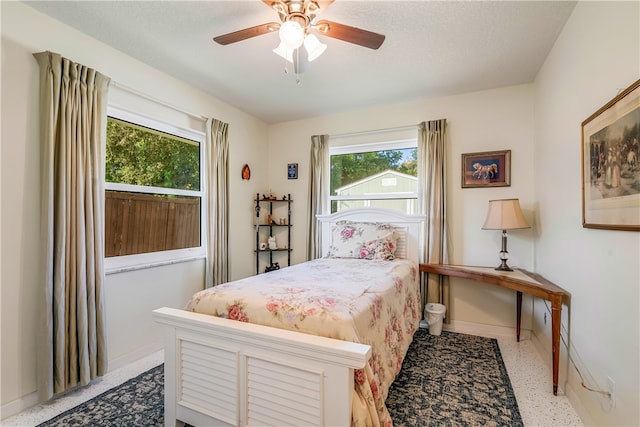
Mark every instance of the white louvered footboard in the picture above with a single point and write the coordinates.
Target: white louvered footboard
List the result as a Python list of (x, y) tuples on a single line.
[(228, 373)]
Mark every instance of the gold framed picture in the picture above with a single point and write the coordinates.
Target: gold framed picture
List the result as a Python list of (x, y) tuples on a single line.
[(486, 169), (610, 164)]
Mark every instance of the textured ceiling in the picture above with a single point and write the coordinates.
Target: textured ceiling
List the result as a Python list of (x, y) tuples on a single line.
[(432, 49)]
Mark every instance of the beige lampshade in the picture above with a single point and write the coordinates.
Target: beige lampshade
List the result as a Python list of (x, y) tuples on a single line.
[(505, 214)]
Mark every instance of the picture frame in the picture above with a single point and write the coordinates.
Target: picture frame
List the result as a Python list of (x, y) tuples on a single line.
[(292, 171), (611, 164), (486, 169)]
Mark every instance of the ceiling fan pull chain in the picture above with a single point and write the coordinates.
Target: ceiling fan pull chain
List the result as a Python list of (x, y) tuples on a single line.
[(296, 65)]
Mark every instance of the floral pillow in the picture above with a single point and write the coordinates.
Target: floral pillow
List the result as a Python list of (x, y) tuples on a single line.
[(378, 249), (348, 239)]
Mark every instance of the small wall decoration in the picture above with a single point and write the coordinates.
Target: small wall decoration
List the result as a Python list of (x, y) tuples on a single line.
[(486, 169), (292, 171), (246, 173), (611, 164)]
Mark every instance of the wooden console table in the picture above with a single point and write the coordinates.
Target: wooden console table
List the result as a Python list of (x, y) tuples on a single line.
[(520, 281)]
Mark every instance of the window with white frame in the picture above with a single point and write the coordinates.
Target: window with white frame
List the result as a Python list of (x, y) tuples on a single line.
[(381, 174), (154, 192)]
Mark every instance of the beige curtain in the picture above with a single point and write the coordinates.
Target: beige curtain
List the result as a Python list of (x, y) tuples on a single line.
[(432, 201), (217, 222), (72, 345), (319, 181)]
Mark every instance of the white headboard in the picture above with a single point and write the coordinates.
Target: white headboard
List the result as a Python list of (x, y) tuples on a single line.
[(413, 224)]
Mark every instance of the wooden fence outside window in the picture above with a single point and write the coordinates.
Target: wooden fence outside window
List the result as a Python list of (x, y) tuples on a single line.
[(139, 223)]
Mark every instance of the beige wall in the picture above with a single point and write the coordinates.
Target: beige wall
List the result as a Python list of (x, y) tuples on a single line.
[(540, 123), (130, 296), (482, 121), (597, 55)]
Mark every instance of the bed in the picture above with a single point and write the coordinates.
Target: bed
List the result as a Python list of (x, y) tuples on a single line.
[(317, 343)]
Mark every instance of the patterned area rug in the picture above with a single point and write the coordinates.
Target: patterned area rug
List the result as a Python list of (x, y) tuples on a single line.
[(137, 402), (451, 379)]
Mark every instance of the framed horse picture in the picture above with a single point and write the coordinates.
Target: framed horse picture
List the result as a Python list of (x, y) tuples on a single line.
[(486, 169)]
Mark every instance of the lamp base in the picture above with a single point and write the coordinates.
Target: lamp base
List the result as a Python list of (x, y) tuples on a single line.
[(503, 267), (504, 254)]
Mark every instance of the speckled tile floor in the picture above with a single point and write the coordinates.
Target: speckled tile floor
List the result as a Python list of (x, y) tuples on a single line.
[(531, 380), (530, 377)]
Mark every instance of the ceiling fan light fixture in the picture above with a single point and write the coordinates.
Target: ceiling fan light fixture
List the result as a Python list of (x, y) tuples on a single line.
[(298, 46), (291, 34), (284, 52), (314, 47)]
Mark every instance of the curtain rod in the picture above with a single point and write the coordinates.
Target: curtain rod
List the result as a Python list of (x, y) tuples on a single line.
[(372, 132), (156, 100)]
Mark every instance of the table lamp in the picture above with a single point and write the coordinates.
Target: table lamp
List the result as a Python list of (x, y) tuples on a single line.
[(504, 214)]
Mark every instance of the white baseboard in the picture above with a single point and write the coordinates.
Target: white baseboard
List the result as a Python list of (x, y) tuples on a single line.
[(490, 331), (16, 406), (571, 391), (138, 354), (25, 402)]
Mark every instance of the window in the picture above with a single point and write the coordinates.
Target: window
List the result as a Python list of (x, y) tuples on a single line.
[(154, 198), (374, 175)]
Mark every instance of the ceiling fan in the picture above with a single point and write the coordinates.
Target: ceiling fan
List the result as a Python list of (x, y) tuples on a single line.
[(296, 29)]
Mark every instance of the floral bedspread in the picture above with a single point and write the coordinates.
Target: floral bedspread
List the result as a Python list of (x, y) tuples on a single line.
[(374, 302)]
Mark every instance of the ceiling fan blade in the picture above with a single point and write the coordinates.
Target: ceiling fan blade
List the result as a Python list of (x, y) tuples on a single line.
[(350, 34), (247, 33)]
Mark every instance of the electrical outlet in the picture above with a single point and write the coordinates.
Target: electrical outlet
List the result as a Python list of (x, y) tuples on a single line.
[(611, 388)]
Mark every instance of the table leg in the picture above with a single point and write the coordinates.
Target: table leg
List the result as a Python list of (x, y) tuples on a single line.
[(556, 318), (518, 313)]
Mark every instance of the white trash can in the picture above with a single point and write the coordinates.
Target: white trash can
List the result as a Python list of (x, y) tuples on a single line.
[(434, 315)]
